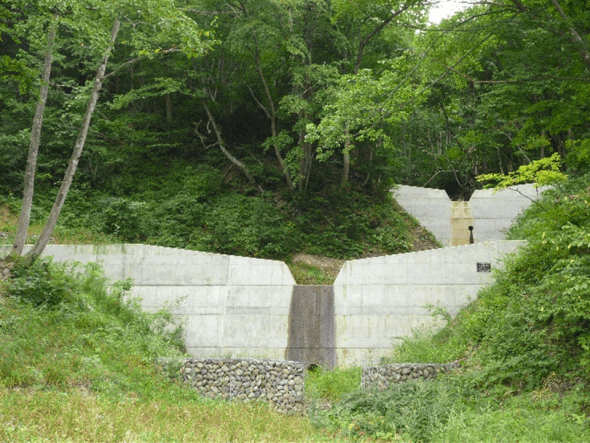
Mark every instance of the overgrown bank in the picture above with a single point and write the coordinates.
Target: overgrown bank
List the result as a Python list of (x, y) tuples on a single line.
[(523, 347), (77, 364)]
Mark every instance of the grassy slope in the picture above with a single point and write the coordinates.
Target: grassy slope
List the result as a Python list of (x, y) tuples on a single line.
[(523, 345), (78, 365)]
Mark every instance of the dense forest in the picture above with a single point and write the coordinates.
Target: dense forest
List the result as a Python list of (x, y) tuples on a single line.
[(264, 127)]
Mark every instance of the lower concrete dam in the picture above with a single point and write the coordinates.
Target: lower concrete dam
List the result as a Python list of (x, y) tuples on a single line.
[(246, 307)]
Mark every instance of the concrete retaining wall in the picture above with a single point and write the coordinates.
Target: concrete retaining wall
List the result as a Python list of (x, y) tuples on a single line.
[(229, 305), (494, 212), (432, 207), (379, 300)]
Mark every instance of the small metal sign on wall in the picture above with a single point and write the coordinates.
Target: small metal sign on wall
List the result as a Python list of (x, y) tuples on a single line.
[(484, 267)]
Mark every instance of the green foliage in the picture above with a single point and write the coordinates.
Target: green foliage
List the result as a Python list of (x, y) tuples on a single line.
[(414, 411), (192, 208), (354, 223), (125, 219), (43, 284), (305, 274), (527, 418), (62, 325), (546, 171), (331, 385)]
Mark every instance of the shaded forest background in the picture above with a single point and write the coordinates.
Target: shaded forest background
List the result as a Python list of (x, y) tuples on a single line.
[(270, 127)]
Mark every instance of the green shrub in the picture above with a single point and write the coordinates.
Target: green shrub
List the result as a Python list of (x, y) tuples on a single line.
[(251, 226), (126, 219), (414, 410), (332, 384), (43, 283)]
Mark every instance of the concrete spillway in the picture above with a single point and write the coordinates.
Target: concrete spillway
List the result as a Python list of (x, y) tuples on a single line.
[(312, 327)]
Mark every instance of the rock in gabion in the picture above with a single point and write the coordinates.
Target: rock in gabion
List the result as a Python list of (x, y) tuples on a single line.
[(381, 377), (280, 383)]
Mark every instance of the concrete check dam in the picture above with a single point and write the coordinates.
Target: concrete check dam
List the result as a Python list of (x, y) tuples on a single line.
[(246, 307)]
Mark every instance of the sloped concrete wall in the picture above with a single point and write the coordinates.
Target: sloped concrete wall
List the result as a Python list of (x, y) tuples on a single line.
[(494, 211), (252, 308), (432, 207), (229, 305), (379, 300), (490, 212)]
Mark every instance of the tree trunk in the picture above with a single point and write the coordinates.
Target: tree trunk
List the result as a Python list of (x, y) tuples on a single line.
[(29, 185), (346, 158), (271, 114), (230, 157), (306, 161), (78, 147)]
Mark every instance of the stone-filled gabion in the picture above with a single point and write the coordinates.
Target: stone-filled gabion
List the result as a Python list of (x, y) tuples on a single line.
[(381, 377), (280, 383)]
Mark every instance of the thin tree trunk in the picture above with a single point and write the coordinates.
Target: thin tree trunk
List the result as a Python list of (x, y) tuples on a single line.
[(29, 185), (78, 147), (229, 156), (271, 114), (346, 158)]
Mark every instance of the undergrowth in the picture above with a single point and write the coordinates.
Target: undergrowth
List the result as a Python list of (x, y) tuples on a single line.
[(192, 208), (77, 363), (523, 345)]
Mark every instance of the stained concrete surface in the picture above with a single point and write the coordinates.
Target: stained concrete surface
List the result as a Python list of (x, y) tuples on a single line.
[(312, 327)]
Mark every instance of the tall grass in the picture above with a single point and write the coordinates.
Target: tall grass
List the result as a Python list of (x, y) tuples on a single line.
[(77, 364), (74, 416), (61, 235)]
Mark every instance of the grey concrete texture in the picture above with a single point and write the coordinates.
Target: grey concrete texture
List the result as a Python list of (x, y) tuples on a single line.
[(490, 212), (432, 207), (380, 300), (495, 211), (312, 329)]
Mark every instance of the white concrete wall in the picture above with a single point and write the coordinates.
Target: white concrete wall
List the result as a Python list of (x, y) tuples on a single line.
[(432, 208), (228, 304), (379, 300), (494, 211), (240, 306)]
